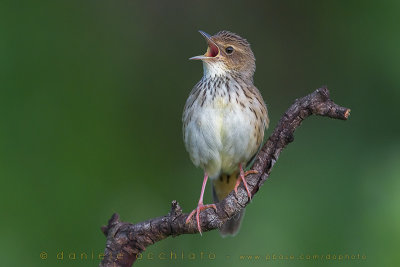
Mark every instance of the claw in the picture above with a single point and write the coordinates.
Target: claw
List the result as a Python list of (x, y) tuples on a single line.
[(199, 208), (242, 178), (250, 172)]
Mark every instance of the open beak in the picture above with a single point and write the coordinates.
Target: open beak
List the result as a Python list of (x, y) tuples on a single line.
[(212, 50)]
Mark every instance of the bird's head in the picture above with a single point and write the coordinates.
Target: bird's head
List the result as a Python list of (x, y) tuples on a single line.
[(227, 52)]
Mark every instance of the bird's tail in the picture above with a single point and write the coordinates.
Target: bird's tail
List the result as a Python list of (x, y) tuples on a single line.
[(221, 188)]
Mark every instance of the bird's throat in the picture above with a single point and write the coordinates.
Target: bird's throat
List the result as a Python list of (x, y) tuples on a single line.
[(214, 68)]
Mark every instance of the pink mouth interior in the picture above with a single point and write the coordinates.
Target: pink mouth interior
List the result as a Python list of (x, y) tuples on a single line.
[(212, 50)]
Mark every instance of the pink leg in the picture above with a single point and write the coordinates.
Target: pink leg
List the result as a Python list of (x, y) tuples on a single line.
[(200, 206), (242, 178)]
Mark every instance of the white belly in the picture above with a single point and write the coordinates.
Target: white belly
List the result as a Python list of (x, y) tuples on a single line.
[(220, 136)]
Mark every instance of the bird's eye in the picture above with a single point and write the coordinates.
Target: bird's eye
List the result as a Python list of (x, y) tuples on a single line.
[(229, 50)]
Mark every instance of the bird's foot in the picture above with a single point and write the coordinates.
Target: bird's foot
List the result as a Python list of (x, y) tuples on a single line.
[(242, 176), (199, 208)]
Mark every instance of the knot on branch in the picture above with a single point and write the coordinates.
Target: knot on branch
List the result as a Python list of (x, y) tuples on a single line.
[(176, 210), (112, 222), (324, 93)]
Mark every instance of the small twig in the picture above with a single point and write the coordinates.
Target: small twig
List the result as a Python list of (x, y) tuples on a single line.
[(125, 240)]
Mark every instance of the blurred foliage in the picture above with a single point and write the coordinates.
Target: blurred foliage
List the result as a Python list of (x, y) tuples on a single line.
[(91, 99)]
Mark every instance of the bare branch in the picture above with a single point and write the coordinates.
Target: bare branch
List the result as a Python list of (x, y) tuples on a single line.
[(125, 240)]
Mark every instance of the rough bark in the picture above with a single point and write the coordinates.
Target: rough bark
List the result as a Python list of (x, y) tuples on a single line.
[(125, 240)]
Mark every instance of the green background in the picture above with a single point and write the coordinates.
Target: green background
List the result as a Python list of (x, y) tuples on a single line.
[(91, 97)]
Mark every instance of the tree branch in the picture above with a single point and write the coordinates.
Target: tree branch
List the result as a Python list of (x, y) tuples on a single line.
[(125, 240)]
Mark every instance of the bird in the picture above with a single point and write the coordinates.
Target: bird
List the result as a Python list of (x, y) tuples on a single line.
[(224, 120)]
